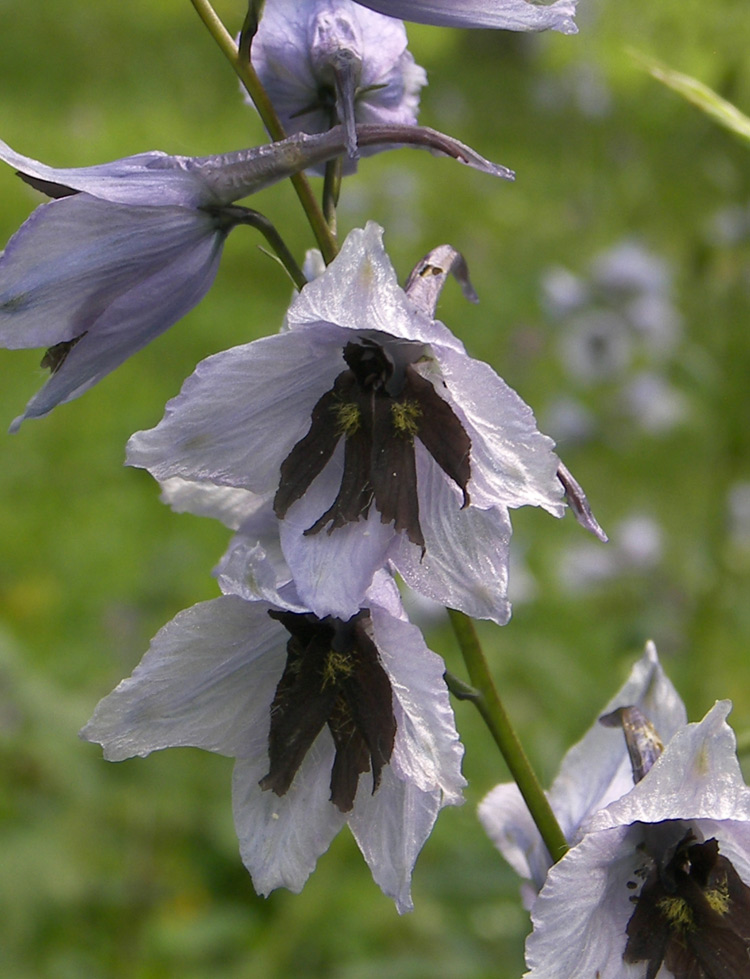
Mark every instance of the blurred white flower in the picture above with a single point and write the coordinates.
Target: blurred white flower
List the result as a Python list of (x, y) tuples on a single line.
[(629, 268), (739, 513), (653, 403), (563, 292), (596, 346)]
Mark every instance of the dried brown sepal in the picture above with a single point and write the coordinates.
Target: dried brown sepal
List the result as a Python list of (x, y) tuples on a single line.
[(579, 504), (643, 742), (427, 278)]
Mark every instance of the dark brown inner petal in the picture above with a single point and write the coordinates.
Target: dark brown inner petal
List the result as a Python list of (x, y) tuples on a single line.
[(378, 407), (333, 676), (692, 915)]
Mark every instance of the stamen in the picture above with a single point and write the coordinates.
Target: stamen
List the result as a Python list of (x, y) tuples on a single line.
[(337, 667), (677, 912), (718, 898), (406, 416), (348, 418)]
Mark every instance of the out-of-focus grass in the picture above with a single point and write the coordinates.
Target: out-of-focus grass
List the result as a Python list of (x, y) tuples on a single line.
[(132, 870)]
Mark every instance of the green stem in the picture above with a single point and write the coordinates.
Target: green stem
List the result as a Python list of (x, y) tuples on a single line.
[(247, 75), (246, 215), (488, 704), (331, 190)]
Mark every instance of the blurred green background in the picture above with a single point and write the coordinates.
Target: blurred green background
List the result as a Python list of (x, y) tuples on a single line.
[(614, 279)]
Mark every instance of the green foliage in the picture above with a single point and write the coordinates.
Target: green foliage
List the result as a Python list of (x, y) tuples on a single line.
[(131, 871)]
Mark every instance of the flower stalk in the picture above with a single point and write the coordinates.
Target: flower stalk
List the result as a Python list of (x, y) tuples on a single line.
[(247, 75), (331, 191), (489, 705), (246, 215)]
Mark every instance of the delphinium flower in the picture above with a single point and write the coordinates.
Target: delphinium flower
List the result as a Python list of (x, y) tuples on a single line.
[(373, 435), (656, 882), (619, 329), (509, 15), (324, 62), (126, 248), (330, 721)]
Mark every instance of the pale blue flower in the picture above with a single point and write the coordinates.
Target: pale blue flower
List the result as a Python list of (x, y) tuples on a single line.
[(509, 15), (357, 697), (128, 247), (324, 62), (656, 880), (375, 437)]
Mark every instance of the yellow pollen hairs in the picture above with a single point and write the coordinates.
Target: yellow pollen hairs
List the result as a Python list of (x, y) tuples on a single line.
[(405, 415)]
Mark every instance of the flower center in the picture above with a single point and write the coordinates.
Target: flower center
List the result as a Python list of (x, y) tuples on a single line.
[(379, 405), (692, 915), (333, 676)]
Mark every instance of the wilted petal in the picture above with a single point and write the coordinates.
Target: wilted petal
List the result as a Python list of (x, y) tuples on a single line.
[(281, 837), (207, 680), (509, 15)]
